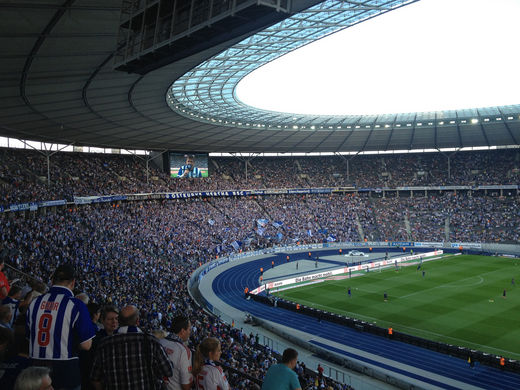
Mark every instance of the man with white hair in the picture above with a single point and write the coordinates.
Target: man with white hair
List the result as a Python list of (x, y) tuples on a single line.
[(34, 378)]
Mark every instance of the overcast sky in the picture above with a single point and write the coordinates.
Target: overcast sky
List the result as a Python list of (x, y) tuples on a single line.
[(427, 56)]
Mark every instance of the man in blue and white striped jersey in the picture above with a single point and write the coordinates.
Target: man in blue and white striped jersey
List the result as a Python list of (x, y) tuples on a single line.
[(58, 326), (189, 169)]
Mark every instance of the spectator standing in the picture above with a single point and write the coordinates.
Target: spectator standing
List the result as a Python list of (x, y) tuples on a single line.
[(58, 326), (110, 322), (130, 359), (282, 376), (180, 355), (4, 283), (209, 375), (6, 315), (13, 301)]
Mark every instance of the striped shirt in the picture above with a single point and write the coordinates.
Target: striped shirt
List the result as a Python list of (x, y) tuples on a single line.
[(195, 172), (56, 324)]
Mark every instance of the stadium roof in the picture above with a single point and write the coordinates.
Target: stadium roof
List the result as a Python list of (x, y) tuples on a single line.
[(58, 85)]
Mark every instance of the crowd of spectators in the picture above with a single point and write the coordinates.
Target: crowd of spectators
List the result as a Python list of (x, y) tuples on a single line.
[(143, 253), (23, 173)]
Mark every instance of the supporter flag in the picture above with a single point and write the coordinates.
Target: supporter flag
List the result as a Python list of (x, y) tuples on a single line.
[(260, 231), (323, 231), (247, 241), (218, 248), (262, 222), (331, 238), (277, 224), (279, 236), (211, 222), (236, 244), (309, 232)]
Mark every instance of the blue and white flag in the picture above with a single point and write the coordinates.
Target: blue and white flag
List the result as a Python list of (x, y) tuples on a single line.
[(309, 232), (260, 231), (331, 238), (262, 222), (279, 236), (211, 222), (236, 244), (277, 224)]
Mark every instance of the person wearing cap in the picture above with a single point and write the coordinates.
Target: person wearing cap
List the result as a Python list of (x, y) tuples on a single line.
[(58, 326), (189, 169)]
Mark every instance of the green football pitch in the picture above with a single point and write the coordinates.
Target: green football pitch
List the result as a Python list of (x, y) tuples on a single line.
[(458, 301)]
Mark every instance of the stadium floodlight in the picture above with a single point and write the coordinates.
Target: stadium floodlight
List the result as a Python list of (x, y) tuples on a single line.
[(474, 121)]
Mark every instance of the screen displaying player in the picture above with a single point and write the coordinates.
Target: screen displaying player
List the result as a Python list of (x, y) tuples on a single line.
[(188, 165)]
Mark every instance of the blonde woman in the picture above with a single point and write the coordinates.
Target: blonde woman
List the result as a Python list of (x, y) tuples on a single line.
[(209, 375)]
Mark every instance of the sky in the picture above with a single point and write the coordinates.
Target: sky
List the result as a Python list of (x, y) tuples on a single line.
[(427, 56)]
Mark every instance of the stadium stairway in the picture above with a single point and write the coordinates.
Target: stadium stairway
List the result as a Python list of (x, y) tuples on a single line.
[(429, 367)]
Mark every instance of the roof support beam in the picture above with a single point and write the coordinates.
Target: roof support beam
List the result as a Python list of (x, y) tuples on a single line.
[(410, 146), (62, 7), (507, 127)]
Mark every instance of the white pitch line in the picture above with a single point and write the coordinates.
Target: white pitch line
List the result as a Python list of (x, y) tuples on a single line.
[(419, 331)]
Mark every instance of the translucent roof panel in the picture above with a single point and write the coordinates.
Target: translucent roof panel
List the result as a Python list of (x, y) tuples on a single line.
[(207, 92)]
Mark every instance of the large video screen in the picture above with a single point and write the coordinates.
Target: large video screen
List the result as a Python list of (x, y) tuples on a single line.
[(188, 165)]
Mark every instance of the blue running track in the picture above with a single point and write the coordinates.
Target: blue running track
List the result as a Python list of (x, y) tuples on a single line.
[(229, 286)]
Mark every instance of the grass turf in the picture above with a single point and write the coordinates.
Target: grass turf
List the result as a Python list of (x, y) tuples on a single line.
[(458, 301)]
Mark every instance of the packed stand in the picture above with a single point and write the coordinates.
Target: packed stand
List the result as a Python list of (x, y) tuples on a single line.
[(23, 173), (158, 244), (155, 259)]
